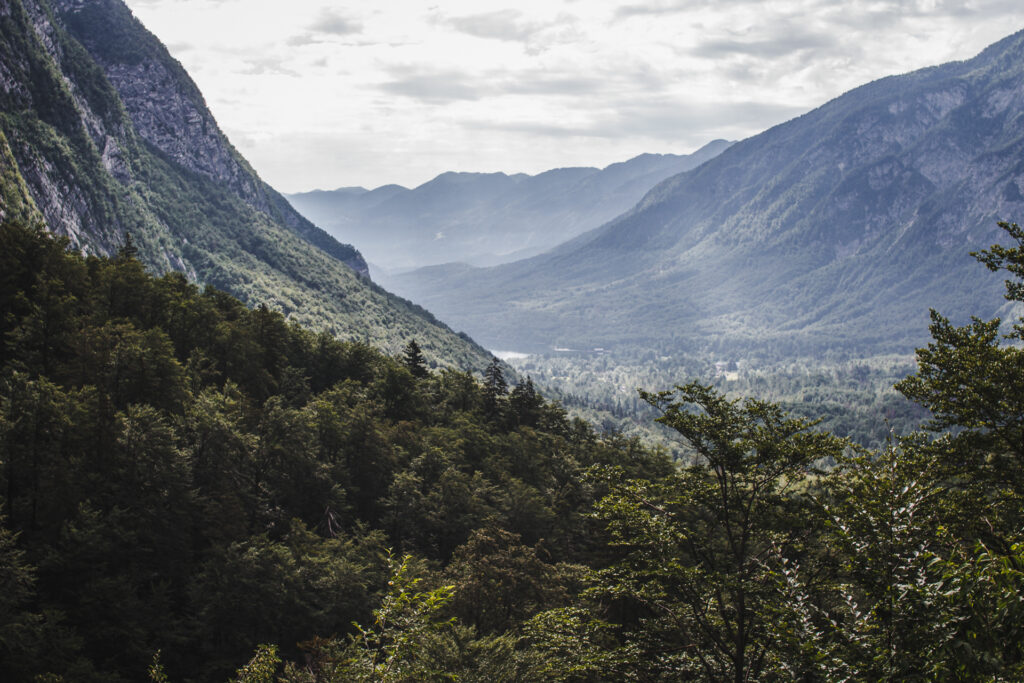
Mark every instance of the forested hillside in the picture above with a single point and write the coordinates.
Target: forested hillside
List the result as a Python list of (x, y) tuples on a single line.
[(183, 474), (102, 132), (193, 490)]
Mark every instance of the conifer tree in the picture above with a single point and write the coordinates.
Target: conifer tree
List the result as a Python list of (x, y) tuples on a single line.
[(525, 404), (972, 380), (413, 359), (495, 388)]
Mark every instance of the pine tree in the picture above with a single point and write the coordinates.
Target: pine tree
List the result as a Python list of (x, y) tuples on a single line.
[(525, 404), (413, 359), (495, 388)]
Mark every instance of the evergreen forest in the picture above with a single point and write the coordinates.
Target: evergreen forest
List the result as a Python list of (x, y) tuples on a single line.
[(196, 490)]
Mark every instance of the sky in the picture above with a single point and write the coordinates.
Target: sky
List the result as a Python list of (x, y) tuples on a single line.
[(319, 94)]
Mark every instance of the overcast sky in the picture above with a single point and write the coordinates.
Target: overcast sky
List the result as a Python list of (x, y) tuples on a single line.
[(323, 94)]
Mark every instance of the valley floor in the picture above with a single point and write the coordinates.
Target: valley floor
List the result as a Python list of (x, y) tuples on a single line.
[(853, 397)]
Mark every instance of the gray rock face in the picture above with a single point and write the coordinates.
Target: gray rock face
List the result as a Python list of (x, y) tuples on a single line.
[(167, 116), (166, 110), (60, 197), (47, 34)]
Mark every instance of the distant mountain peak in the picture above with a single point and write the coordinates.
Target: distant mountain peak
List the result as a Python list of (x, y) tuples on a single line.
[(488, 218)]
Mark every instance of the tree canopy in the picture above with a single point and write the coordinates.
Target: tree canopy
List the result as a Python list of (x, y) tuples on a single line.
[(195, 490)]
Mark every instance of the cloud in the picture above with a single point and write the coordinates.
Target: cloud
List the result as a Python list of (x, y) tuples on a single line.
[(328, 24), (434, 87), (509, 25), (504, 24), (302, 40), (501, 25), (861, 12), (262, 66), (660, 119), (425, 90), (663, 7), (541, 83), (332, 23), (440, 86), (667, 119), (767, 48)]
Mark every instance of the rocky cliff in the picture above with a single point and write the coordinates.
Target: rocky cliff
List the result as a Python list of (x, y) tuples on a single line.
[(102, 132)]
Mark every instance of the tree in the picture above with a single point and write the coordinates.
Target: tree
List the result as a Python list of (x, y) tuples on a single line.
[(693, 583), (412, 358), (128, 250), (495, 389), (525, 405), (871, 609), (408, 640), (499, 581), (19, 625), (972, 380)]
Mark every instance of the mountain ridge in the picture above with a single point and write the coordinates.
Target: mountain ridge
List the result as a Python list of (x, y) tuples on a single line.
[(487, 218), (906, 174), (112, 136)]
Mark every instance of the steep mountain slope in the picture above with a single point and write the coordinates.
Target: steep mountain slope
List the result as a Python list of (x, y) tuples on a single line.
[(834, 230), (102, 132), (488, 218)]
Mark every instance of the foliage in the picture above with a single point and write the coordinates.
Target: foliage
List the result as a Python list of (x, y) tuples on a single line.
[(851, 397), (261, 668), (972, 379), (185, 474), (693, 581), (413, 359), (398, 645)]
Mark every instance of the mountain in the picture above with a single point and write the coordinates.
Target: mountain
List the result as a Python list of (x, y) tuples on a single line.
[(103, 133), (834, 231), (488, 218)]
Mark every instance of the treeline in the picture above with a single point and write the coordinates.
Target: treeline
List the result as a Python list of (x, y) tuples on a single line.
[(193, 491)]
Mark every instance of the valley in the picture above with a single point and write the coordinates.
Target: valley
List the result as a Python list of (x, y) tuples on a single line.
[(753, 412), (806, 246), (833, 232), (852, 397)]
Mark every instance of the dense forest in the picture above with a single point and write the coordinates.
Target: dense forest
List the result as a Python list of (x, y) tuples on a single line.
[(194, 490), (852, 397)]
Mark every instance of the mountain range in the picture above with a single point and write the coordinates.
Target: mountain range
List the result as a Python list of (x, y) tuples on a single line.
[(103, 133), (487, 218), (834, 231)]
